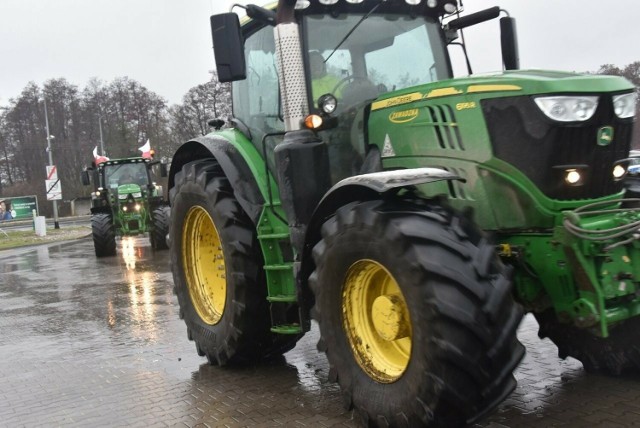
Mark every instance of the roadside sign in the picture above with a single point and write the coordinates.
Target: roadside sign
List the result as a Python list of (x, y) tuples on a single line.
[(52, 184), (21, 207), (54, 190), (52, 172)]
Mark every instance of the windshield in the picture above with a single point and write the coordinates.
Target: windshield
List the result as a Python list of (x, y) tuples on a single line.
[(384, 53), (126, 173)]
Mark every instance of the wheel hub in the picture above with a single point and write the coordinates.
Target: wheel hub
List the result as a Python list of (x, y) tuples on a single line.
[(387, 313)]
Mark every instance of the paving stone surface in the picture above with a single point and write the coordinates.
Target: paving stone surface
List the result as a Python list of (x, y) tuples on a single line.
[(98, 342)]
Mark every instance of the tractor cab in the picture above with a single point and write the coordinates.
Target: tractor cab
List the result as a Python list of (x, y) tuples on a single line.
[(351, 55)]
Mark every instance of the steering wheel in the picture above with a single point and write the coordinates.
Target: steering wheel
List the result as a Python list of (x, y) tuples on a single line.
[(348, 79)]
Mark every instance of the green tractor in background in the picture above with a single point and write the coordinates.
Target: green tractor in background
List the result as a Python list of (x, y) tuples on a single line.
[(126, 201), (414, 216)]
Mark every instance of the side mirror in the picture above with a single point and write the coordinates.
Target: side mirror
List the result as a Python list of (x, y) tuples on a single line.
[(228, 47), (509, 42), (163, 169), (84, 177)]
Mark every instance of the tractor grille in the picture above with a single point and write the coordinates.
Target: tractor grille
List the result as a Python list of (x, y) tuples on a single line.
[(133, 224), (524, 137), (445, 127)]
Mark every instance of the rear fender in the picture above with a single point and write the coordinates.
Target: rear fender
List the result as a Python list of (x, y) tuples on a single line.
[(233, 164)]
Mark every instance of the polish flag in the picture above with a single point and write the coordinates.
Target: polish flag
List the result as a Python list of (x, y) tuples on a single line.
[(146, 150), (98, 159)]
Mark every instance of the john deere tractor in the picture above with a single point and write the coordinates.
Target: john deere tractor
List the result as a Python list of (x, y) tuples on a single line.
[(126, 202), (415, 216)]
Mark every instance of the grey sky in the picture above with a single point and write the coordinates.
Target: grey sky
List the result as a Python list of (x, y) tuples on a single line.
[(166, 44)]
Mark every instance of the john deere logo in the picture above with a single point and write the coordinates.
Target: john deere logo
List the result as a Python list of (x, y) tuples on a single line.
[(605, 135), (403, 116)]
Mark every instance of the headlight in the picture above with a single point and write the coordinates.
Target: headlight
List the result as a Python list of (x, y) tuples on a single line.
[(136, 207), (137, 194), (327, 103), (568, 108), (125, 209), (123, 196), (625, 105), (618, 172)]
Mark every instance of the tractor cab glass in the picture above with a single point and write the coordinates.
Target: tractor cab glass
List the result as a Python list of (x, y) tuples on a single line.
[(357, 58), (126, 173)]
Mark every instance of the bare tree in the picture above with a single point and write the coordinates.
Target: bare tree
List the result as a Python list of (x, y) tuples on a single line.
[(211, 100)]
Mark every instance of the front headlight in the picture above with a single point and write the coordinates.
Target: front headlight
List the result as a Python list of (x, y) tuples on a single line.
[(625, 105), (568, 108), (123, 196), (137, 194)]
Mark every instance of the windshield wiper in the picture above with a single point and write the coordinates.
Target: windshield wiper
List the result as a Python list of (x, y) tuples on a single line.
[(373, 9)]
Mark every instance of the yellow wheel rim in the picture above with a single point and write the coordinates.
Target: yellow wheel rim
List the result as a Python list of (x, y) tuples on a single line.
[(376, 321), (203, 262)]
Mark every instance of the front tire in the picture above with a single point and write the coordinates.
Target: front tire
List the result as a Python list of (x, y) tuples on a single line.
[(416, 315), (104, 235), (160, 223), (217, 270), (614, 355)]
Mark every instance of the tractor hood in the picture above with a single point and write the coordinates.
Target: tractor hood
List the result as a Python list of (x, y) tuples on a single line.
[(508, 83), (125, 190)]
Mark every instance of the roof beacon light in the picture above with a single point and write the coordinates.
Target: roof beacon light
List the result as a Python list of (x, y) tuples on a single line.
[(450, 7)]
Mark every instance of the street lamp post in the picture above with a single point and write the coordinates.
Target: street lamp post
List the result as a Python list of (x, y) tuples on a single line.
[(56, 225), (101, 142)]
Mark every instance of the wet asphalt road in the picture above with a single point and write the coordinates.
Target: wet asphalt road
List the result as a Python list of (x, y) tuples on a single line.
[(97, 342)]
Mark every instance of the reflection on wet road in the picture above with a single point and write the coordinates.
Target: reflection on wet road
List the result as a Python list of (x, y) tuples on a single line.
[(98, 342)]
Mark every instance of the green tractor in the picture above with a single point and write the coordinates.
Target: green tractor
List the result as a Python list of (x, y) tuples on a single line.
[(126, 202), (414, 216)]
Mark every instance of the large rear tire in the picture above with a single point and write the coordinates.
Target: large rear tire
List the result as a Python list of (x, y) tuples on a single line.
[(104, 235), (618, 353), (217, 270), (416, 315), (160, 222)]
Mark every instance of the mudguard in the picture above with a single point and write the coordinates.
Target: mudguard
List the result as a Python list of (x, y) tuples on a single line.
[(357, 188), (233, 164)]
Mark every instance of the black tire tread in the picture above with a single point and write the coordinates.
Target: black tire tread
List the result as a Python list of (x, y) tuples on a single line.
[(613, 355), (160, 221), (485, 315), (247, 335), (104, 235)]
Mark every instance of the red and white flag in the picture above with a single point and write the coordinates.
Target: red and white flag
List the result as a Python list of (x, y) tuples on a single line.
[(98, 159), (146, 150)]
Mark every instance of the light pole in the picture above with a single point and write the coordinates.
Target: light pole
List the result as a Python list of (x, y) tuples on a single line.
[(101, 143), (56, 225)]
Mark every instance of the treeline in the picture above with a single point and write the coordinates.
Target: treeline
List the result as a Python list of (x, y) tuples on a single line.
[(127, 112)]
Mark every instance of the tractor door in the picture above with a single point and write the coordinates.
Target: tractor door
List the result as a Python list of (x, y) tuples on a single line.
[(358, 58), (256, 102)]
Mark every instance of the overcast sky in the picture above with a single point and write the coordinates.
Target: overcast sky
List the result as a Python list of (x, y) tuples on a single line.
[(166, 44)]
